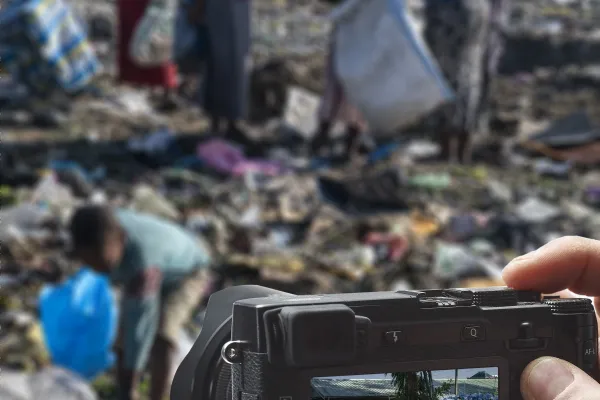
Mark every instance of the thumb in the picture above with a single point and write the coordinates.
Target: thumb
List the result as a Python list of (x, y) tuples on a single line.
[(549, 378)]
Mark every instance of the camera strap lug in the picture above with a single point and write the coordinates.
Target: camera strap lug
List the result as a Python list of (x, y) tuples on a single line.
[(231, 352)]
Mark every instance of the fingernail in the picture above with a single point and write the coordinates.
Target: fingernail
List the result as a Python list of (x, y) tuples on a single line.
[(524, 257), (548, 379)]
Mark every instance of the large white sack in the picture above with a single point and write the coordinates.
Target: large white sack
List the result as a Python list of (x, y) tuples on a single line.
[(385, 67)]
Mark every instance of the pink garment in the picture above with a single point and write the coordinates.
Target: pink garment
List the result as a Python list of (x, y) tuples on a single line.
[(334, 104), (220, 155), (267, 168), (226, 158)]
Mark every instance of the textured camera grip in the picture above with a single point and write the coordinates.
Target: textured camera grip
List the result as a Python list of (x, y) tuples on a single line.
[(248, 377)]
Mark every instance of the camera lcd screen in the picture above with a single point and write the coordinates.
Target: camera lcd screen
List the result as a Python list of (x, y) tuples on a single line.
[(463, 384)]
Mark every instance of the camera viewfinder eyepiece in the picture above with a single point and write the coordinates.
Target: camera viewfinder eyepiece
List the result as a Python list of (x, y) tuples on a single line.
[(318, 335)]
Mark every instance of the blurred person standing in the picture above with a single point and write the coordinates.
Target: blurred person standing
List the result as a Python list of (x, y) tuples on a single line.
[(225, 94), (500, 16), (457, 33), (164, 77), (334, 107)]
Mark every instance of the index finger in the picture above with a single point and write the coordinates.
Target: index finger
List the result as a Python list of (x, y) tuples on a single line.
[(567, 263)]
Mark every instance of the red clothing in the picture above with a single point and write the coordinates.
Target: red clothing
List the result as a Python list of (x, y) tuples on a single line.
[(130, 13), (397, 245)]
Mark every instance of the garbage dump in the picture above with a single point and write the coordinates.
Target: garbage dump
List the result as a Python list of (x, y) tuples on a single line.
[(271, 211)]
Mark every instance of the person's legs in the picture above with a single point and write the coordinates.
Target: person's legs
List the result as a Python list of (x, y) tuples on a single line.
[(353, 136), (321, 137), (215, 125), (456, 146), (357, 128), (161, 362), (446, 140), (169, 93), (233, 127), (235, 133), (169, 100), (177, 307), (126, 386), (331, 103), (463, 147)]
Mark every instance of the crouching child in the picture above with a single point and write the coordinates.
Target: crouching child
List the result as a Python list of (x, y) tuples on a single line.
[(164, 272)]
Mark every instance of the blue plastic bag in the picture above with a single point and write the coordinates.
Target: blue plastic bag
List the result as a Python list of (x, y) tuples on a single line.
[(79, 320)]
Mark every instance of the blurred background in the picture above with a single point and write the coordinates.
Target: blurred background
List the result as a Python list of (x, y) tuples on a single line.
[(123, 102)]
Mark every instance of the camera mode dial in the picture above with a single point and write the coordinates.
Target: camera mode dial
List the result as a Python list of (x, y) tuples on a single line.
[(495, 297), (570, 306)]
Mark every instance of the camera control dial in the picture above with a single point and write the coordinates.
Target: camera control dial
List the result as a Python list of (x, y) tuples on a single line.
[(570, 306), (495, 297)]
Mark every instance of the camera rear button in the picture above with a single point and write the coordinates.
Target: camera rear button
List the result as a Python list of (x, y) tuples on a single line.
[(590, 355), (361, 338), (393, 338), (472, 333), (587, 333)]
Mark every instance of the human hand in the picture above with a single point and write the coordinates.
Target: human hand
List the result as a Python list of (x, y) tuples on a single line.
[(571, 263)]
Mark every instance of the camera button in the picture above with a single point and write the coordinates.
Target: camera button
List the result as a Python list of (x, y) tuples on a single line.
[(473, 333), (393, 338), (590, 355), (361, 338), (588, 333)]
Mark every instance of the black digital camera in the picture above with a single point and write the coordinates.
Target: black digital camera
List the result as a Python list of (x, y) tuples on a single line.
[(261, 344)]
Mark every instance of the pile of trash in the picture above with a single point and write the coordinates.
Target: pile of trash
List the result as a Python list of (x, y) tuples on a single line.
[(51, 383), (283, 220), (272, 220)]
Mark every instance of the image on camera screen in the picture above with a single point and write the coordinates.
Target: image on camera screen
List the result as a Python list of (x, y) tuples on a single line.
[(463, 384)]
